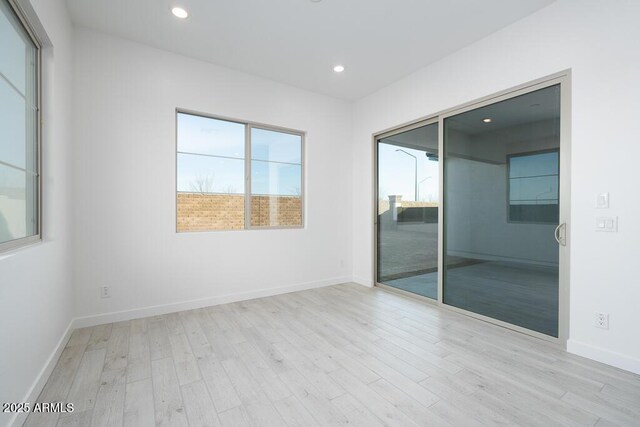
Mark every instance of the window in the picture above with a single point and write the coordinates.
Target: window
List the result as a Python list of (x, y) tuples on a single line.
[(234, 176), (533, 187), (19, 132)]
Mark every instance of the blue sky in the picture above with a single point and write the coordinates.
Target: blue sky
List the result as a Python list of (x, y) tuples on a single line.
[(396, 174), (211, 158)]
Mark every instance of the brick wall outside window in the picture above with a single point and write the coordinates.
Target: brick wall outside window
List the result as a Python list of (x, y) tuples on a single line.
[(206, 212)]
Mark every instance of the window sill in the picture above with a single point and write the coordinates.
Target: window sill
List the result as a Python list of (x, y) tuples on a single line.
[(12, 247)]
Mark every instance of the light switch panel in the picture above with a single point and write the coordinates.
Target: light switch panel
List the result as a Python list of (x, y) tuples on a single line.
[(602, 201), (607, 223)]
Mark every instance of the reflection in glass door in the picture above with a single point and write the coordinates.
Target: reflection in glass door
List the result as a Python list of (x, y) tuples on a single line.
[(407, 210), (501, 200)]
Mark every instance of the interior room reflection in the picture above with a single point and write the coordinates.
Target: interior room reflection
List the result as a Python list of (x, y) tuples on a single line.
[(501, 210)]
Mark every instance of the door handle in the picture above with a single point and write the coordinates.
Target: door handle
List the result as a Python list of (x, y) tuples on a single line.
[(560, 234)]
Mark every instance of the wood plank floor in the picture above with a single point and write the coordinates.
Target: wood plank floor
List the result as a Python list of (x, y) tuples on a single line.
[(338, 355)]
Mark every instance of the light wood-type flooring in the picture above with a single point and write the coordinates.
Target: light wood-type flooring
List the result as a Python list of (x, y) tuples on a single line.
[(338, 355)]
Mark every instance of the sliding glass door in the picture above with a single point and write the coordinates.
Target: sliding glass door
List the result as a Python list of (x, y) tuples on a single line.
[(471, 208), (407, 210), (501, 197)]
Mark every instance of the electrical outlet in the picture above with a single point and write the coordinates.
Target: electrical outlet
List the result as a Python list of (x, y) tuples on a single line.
[(602, 320), (104, 292)]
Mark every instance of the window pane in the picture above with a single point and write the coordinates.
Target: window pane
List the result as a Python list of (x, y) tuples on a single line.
[(203, 135), (276, 146), (407, 213), (534, 190), (276, 211), (501, 197), (17, 204), (13, 49), (534, 165), (18, 130), (210, 193), (208, 174), (12, 126), (211, 175), (276, 179)]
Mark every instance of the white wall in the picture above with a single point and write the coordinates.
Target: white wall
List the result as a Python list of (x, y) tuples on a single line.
[(598, 41), (36, 301), (125, 97)]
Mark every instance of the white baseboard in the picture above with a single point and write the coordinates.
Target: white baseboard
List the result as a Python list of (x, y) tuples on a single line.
[(81, 322), (36, 388), (362, 281), (137, 313), (605, 356)]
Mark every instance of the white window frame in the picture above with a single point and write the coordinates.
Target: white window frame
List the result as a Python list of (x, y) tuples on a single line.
[(249, 125), (36, 238)]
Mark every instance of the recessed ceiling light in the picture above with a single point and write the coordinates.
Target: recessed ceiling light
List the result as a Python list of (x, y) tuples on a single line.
[(179, 12), (316, 1), (338, 68), (487, 120)]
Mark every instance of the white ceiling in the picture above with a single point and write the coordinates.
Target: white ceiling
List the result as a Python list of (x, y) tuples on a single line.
[(298, 42)]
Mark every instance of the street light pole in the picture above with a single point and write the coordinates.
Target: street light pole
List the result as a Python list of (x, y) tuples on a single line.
[(415, 172)]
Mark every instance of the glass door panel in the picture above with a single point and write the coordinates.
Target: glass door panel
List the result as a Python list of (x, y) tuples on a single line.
[(501, 195), (407, 210)]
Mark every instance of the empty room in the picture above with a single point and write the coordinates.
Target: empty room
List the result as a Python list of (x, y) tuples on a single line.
[(319, 212)]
